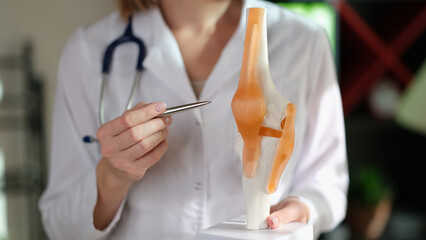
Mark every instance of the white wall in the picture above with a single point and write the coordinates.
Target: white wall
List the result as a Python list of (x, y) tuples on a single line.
[(48, 23)]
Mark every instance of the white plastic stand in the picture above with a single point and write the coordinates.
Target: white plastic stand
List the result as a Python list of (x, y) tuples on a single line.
[(235, 229)]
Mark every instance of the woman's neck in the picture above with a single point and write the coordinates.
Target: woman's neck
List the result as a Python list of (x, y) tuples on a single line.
[(195, 15), (202, 29)]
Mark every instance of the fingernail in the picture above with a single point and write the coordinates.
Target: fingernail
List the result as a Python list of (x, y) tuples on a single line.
[(160, 107), (167, 119), (275, 221), (270, 223)]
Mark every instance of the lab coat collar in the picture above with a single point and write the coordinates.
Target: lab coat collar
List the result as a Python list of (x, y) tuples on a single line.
[(229, 63), (164, 58)]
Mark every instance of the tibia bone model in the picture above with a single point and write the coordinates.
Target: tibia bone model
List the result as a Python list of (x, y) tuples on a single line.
[(265, 121)]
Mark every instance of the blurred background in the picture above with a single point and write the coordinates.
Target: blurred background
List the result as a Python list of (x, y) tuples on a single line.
[(380, 52)]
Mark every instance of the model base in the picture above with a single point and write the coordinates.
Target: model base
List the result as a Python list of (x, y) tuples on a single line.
[(235, 229)]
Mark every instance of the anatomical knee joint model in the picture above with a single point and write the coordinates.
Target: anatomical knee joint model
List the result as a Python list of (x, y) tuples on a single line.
[(265, 121)]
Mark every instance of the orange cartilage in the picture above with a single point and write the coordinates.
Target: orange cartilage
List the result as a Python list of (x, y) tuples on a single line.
[(269, 132), (248, 104), (284, 149)]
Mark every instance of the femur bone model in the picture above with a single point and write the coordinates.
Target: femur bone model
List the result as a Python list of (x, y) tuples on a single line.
[(265, 122)]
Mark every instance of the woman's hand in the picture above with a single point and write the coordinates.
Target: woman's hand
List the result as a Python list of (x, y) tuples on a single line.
[(133, 142), (130, 145), (290, 209)]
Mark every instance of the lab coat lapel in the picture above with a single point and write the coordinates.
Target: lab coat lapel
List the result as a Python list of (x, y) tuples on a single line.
[(229, 64), (227, 68), (165, 61)]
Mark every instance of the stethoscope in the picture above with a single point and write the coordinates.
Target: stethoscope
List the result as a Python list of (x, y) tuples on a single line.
[(129, 37)]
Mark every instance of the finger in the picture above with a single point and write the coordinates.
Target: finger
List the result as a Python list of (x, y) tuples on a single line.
[(278, 206), (105, 130), (279, 218), (135, 116), (139, 105), (137, 133), (144, 146), (292, 211), (273, 208), (153, 156)]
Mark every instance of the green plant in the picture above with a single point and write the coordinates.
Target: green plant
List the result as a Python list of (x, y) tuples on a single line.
[(368, 185)]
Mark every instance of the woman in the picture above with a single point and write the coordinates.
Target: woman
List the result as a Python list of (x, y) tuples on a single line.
[(153, 179)]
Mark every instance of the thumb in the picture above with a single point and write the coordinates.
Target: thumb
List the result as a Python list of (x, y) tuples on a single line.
[(290, 210), (279, 218)]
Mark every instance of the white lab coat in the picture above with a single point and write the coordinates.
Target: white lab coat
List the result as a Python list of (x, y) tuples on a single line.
[(197, 183)]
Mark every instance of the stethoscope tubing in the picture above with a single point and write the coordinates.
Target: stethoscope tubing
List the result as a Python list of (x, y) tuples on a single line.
[(105, 78), (127, 37)]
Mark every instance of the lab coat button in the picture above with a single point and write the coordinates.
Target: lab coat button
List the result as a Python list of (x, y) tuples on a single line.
[(198, 186)]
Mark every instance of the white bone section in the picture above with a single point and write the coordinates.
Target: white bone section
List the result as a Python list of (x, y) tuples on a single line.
[(255, 188)]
